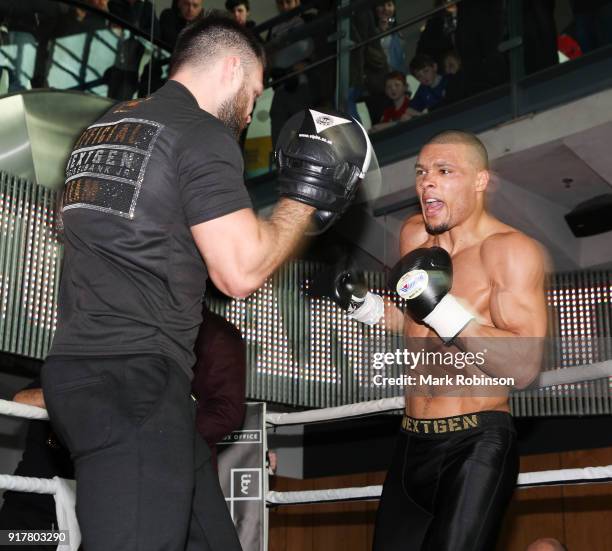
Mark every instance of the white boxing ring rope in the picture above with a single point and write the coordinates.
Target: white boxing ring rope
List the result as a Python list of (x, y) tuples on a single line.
[(64, 493), (28, 484), (554, 377), (339, 412), (570, 375), (562, 477), (15, 409)]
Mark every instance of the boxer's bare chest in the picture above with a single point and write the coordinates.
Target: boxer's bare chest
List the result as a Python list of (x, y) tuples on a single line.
[(472, 286)]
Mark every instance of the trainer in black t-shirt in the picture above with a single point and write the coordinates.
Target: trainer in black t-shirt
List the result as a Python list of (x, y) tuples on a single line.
[(136, 182)]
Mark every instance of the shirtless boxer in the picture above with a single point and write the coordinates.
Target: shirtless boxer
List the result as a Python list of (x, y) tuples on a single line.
[(456, 461)]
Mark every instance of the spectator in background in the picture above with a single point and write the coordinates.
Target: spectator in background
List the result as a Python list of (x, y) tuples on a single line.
[(174, 19), (101, 5), (438, 35), (80, 20), (368, 67), (568, 46), (451, 62), (546, 544), (272, 462), (296, 92), (381, 57), (70, 21), (43, 457), (432, 85), (169, 25), (190, 10), (171, 22), (240, 11), (456, 86), (480, 29), (539, 35), (123, 78), (393, 44), (219, 379), (592, 23), (28, 24), (399, 110), (139, 13)]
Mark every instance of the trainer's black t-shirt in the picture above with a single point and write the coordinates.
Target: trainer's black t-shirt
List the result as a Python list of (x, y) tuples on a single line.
[(133, 279)]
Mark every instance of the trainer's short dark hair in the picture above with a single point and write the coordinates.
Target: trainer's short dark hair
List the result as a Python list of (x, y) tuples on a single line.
[(231, 4), (208, 38), (420, 61)]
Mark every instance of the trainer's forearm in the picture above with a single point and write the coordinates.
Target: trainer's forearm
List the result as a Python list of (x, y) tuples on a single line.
[(278, 237), (241, 250)]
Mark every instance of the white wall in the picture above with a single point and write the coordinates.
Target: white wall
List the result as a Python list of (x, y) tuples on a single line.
[(529, 194)]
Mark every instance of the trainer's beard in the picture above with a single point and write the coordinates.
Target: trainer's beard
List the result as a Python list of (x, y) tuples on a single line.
[(231, 112), (436, 230)]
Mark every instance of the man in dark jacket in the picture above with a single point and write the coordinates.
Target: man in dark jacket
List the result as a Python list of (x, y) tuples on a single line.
[(174, 19), (219, 379)]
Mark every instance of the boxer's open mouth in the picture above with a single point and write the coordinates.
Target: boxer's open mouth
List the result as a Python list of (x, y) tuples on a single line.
[(432, 206)]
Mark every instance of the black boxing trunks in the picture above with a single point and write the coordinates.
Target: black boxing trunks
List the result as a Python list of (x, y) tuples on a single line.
[(449, 484)]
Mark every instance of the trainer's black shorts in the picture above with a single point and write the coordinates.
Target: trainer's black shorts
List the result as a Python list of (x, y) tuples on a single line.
[(449, 484)]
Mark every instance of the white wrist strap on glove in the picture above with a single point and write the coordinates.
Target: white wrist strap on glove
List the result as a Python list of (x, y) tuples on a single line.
[(448, 318), (370, 311)]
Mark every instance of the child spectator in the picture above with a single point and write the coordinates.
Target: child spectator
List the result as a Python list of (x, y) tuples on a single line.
[(451, 63), (397, 91), (568, 46), (432, 87)]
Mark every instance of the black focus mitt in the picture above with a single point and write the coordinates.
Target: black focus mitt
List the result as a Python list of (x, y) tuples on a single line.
[(321, 158)]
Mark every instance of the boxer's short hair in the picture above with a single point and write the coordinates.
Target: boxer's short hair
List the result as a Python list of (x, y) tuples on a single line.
[(464, 138)]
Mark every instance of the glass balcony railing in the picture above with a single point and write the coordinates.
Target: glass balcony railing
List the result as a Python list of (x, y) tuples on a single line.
[(394, 64), (389, 63), (78, 46)]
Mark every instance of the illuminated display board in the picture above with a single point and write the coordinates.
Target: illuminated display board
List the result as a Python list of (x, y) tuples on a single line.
[(301, 351)]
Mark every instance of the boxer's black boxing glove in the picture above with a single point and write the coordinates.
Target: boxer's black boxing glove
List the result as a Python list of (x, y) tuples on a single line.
[(349, 290), (423, 278), (322, 162)]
